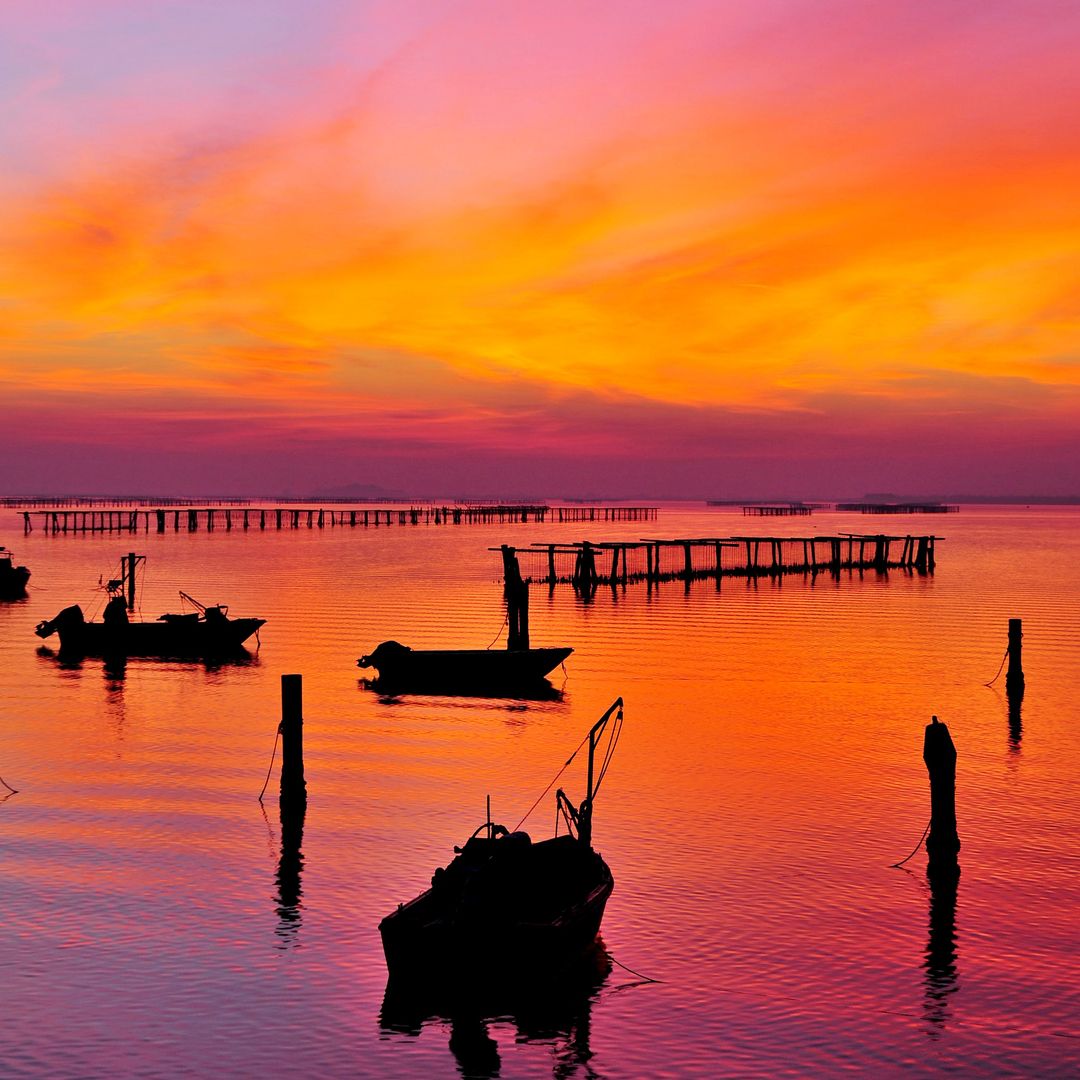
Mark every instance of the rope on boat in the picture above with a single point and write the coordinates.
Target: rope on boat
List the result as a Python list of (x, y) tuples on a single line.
[(1000, 669), (552, 784), (14, 791), (273, 752), (917, 846)]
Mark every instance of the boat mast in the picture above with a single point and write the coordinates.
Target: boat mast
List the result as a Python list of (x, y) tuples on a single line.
[(127, 576), (585, 813)]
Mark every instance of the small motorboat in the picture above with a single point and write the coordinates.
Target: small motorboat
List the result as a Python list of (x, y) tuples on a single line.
[(491, 672), (207, 631), (506, 907), (13, 578), (427, 669)]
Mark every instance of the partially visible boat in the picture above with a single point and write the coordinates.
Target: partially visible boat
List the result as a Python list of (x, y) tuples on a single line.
[(505, 906), (13, 578), (207, 631), (432, 669)]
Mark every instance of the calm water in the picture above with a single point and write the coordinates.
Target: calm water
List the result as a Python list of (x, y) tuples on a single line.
[(769, 772)]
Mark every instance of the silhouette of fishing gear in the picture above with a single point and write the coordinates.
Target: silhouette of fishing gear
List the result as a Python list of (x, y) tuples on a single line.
[(613, 739)]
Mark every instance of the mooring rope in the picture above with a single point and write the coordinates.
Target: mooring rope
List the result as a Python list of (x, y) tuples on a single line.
[(506, 619), (917, 846), (14, 791), (271, 768), (999, 670), (643, 978)]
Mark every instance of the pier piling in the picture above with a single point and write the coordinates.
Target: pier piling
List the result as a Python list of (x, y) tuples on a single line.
[(943, 842), (293, 785), (1014, 680)]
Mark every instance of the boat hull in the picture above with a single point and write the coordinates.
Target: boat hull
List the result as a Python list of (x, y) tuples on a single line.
[(180, 636), (398, 665), (154, 639), (13, 581), (450, 936)]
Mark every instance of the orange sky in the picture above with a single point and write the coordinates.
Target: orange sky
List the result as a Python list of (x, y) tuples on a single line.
[(816, 248)]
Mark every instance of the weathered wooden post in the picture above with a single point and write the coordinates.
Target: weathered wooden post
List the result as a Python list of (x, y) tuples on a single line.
[(942, 843), (517, 601), (1014, 679), (293, 785)]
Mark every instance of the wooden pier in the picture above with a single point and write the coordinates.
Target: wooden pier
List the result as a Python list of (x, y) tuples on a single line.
[(193, 518), (587, 564), (779, 510), (898, 508)]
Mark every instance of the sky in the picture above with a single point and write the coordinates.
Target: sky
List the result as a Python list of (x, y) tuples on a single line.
[(600, 247)]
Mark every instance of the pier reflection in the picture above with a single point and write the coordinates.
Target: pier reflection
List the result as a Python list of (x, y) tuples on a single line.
[(287, 879), (556, 1011), (940, 961)]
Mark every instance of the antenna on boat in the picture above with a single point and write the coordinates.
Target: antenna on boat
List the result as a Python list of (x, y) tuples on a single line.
[(489, 817)]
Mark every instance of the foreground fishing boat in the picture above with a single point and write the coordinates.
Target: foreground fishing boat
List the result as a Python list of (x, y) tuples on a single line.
[(13, 578), (398, 665), (506, 907), (207, 631)]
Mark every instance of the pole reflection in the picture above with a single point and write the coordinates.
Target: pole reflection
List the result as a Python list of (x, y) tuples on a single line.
[(291, 863), (1015, 698), (940, 968)]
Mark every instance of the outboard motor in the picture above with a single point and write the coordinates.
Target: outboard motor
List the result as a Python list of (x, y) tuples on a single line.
[(70, 616), (388, 651)]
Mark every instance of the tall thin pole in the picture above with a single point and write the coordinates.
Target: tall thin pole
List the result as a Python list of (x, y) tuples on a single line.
[(293, 785), (131, 580)]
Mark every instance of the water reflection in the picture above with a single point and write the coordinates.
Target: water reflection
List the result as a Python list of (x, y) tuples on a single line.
[(393, 693), (1015, 698), (940, 962), (291, 863), (114, 666), (556, 1011)]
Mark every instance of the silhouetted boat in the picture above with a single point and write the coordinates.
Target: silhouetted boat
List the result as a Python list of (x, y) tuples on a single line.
[(400, 666), (208, 631), (505, 907), (13, 578)]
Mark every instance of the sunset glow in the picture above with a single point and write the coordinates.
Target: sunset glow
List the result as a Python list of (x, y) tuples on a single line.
[(806, 245)]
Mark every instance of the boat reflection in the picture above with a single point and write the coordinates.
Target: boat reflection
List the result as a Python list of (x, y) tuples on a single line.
[(555, 1010), (940, 961), (392, 691), (114, 666)]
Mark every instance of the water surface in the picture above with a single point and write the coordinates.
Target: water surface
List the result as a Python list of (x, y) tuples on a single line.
[(769, 772)]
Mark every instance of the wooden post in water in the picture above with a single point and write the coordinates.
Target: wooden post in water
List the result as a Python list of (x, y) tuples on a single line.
[(517, 601), (942, 843), (293, 785), (1014, 680)]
